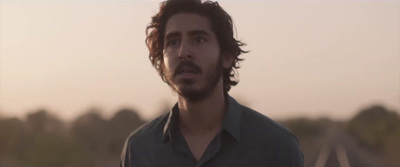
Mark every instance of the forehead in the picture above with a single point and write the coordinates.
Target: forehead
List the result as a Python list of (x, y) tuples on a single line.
[(186, 22)]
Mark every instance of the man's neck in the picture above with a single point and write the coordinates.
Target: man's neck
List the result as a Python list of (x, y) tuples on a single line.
[(204, 116)]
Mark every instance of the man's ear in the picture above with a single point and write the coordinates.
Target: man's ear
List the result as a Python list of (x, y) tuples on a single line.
[(227, 59)]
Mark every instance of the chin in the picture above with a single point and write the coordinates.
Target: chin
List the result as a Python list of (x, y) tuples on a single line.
[(191, 92), (188, 89)]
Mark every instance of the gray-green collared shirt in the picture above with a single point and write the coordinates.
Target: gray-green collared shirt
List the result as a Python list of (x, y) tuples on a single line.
[(247, 139)]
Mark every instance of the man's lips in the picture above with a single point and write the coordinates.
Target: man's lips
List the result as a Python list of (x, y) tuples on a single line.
[(186, 76), (187, 68), (187, 73)]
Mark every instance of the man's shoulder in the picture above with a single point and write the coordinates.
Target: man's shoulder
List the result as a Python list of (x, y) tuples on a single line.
[(142, 139), (265, 128), (149, 130), (268, 135)]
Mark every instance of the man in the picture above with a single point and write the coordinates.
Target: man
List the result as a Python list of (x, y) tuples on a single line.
[(192, 47)]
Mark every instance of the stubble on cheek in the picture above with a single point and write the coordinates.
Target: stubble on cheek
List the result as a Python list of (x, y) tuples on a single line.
[(168, 75)]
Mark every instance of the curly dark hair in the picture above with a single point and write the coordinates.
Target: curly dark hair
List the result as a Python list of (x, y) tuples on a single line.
[(221, 24)]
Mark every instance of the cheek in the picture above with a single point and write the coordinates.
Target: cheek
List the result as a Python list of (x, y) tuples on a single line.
[(210, 56), (167, 65)]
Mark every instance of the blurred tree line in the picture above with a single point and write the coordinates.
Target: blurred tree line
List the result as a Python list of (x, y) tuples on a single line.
[(375, 128), (378, 129), (43, 140)]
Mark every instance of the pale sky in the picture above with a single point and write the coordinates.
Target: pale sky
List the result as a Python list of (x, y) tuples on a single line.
[(308, 58)]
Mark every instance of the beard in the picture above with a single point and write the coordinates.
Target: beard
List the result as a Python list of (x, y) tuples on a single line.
[(193, 95)]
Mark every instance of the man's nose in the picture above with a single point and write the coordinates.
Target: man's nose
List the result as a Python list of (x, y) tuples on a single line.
[(185, 51)]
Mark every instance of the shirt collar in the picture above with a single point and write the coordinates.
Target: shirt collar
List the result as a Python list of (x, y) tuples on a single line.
[(171, 124), (233, 118), (231, 122)]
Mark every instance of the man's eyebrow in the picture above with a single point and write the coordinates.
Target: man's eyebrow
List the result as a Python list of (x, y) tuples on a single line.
[(172, 35), (191, 33), (198, 32)]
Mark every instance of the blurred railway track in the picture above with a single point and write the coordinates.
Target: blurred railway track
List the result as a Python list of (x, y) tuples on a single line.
[(340, 150), (339, 158)]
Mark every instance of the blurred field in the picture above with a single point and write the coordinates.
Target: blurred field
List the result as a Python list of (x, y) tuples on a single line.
[(371, 138)]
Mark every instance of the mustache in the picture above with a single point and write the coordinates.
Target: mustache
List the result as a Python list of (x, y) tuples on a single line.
[(189, 64)]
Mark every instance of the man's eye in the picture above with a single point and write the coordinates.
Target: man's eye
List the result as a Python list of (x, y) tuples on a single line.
[(199, 39), (173, 43)]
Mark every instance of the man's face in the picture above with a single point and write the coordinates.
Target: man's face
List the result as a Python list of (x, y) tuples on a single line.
[(192, 61)]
